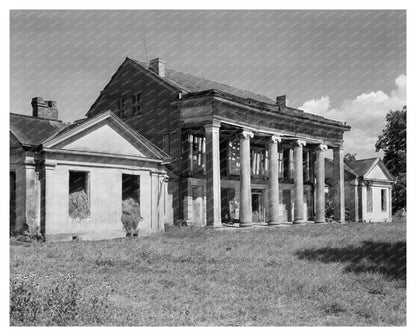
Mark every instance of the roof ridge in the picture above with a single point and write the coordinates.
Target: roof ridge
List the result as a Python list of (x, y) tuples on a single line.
[(33, 117), (169, 80)]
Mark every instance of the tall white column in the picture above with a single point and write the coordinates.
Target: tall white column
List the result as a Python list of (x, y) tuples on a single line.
[(339, 196), (274, 180), (246, 215), (320, 183), (213, 185), (298, 157)]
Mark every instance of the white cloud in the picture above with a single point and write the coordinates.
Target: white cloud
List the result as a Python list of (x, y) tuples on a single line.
[(366, 114)]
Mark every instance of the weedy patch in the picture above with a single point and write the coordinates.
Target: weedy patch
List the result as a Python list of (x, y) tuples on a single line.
[(192, 276)]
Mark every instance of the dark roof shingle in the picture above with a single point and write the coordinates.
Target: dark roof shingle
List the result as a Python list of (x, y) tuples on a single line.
[(361, 167), (32, 131), (189, 83)]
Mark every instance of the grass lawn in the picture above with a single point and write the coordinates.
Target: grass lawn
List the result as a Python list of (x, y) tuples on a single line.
[(331, 274)]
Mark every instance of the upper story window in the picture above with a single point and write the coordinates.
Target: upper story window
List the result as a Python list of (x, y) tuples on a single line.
[(122, 106), (136, 101), (259, 161), (234, 157), (198, 153)]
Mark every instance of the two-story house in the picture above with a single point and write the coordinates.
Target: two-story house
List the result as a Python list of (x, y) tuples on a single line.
[(237, 157)]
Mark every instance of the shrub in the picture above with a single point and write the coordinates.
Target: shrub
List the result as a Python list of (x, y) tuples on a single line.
[(131, 216), (79, 205), (57, 303)]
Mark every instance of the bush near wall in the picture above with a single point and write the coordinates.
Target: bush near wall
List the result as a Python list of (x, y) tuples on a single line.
[(131, 216)]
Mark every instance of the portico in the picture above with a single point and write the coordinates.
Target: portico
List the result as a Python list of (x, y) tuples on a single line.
[(250, 172)]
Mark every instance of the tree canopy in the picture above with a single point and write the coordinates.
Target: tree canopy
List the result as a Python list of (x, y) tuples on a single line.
[(393, 143)]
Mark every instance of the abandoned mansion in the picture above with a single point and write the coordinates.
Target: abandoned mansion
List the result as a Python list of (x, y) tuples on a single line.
[(206, 153)]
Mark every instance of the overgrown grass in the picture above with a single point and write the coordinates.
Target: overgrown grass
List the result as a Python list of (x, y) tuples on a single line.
[(301, 275)]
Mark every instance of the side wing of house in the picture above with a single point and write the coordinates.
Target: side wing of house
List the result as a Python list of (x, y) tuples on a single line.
[(90, 170), (376, 191)]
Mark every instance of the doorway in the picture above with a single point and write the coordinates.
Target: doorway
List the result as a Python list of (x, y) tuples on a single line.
[(287, 202), (257, 206), (198, 213)]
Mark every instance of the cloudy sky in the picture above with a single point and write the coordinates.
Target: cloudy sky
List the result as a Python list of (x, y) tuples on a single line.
[(345, 65)]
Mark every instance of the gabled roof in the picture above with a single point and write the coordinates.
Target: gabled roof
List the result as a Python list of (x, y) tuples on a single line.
[(190, 83), (86, 123), (193, 86), (361, 167), (32, 131), (364, 166), (46, 133)]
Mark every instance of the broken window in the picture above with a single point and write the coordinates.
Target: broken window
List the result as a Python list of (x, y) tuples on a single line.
[(259, 162), (130, 187), (198, 149), (234, 157), (122, 107), (79, 198)]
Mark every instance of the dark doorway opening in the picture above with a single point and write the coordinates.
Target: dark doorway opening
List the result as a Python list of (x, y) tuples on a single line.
[(257, 206)]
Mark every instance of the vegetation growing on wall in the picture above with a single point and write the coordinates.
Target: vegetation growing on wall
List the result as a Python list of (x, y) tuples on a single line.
[(131, 216), (79, 205)]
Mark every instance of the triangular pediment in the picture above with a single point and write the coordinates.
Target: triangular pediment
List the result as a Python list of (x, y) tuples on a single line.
[(105, 135), (104, 139), (376, 173)]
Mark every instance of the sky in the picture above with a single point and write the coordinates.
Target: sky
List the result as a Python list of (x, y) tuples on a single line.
[(345, 65)]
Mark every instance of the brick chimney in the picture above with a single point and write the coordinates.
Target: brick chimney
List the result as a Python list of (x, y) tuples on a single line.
[(157, 65), (44, 108), (281, 101)]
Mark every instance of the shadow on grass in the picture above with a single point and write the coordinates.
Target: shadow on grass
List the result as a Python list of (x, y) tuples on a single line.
[(388, 259)]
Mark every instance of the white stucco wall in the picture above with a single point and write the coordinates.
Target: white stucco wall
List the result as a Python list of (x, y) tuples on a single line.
[(105, 203), (377, 215)]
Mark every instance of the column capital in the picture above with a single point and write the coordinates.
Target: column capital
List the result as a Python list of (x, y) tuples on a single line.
[(275, 139), (299, 143), (321, 147), (247, 133)]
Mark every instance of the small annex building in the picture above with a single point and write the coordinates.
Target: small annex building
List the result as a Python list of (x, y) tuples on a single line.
[(99, 160), (368, 190)]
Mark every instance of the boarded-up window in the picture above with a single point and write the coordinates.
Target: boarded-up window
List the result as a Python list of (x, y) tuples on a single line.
[(383, 200), (79, 194), (369, 199)]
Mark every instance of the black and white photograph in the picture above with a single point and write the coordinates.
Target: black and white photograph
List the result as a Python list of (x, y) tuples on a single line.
[(207, 167)]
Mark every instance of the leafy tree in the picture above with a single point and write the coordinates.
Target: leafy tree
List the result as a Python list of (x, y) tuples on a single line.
[(350, 157), (393, 143)]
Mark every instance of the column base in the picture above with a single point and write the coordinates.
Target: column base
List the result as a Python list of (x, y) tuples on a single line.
[(245, 224), (299, 221), (320, 221)]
